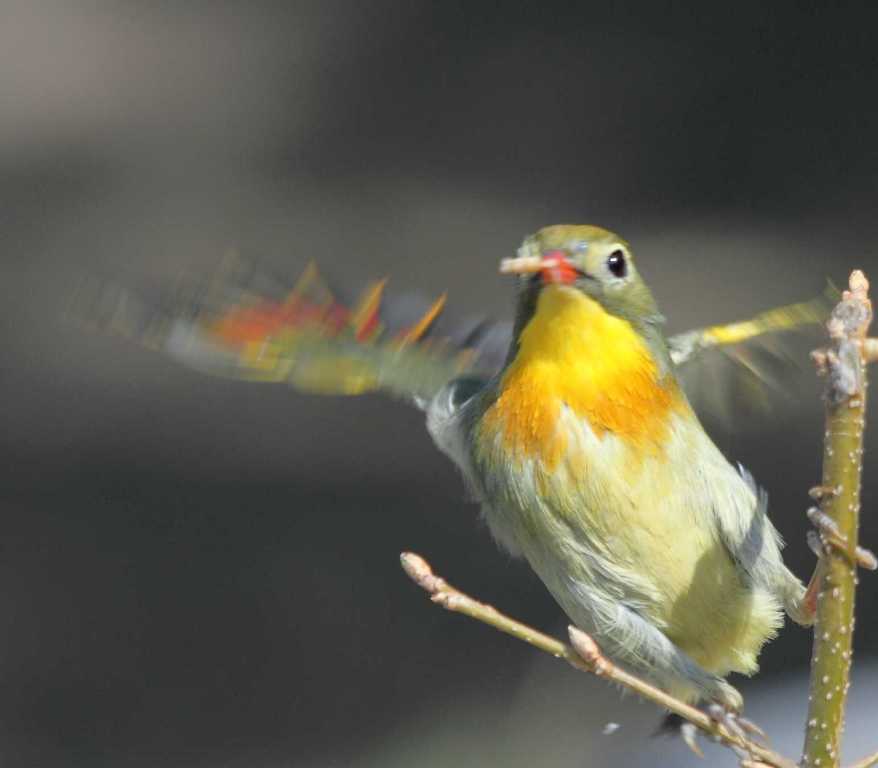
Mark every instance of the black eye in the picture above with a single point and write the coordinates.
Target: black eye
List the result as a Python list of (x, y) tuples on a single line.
[(616, 263)]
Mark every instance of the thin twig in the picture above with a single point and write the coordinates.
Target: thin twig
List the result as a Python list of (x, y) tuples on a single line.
[(843, 365), (866, 762), (584, 654)]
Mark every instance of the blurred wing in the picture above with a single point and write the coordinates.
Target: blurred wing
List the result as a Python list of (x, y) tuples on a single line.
[(245, 325), (757, 363)]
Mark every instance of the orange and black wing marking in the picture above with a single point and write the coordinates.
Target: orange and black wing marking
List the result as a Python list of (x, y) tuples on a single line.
[(245, 326)]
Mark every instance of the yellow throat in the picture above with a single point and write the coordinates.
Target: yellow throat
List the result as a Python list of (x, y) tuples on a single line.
[(573, 353)]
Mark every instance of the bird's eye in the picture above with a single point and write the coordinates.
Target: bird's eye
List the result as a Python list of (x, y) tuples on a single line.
[(616, 263)]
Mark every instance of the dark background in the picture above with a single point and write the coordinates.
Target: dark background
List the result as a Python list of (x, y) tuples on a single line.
[(197, 572)]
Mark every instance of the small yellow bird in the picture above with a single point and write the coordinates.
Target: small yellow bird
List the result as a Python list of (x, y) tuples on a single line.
[(571, 427), (590, 462)]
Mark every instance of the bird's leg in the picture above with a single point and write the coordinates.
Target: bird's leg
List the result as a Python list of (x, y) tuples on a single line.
[(827, 536), (807, 605)]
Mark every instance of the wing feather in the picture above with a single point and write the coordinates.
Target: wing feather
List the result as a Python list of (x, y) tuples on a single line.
[(246, 326)]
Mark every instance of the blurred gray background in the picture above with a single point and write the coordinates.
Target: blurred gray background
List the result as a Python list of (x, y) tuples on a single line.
[(197, 572)]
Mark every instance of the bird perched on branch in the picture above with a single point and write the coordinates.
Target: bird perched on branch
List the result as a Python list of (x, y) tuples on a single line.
[(571, 427)]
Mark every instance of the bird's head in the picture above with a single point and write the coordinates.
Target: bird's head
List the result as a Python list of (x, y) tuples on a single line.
[(588, 259)]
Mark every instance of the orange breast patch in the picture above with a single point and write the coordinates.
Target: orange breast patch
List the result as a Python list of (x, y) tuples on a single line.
[(573, 353)]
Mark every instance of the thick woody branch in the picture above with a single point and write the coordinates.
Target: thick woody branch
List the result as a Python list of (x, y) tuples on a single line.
[(843, 364), (584, 654)]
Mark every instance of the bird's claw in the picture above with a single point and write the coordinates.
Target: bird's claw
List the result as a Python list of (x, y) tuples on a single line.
[(689, 734), (729, 720), (820, 492), (814, 544), (740, 730), (754, 730), (743, 731), (742, 727), (828, 535), (726, 697)]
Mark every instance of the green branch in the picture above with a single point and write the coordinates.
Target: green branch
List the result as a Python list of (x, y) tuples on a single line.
[(843, 365)]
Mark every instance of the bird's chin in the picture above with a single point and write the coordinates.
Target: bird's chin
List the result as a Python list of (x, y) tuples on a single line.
[(582, 286)]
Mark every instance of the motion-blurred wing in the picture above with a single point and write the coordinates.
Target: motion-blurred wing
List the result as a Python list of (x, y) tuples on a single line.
[(755, 364), (246, 326)]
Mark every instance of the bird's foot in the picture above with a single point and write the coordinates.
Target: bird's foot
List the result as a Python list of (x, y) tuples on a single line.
[(689, 734), (726, 697), (828, 535), (741, 730), (736, 724)]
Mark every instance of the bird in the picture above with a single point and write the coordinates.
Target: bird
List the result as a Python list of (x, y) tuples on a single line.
[(571, 427)]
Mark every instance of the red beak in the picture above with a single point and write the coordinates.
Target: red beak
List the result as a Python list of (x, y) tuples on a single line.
[(554, 267), (557, 269)]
